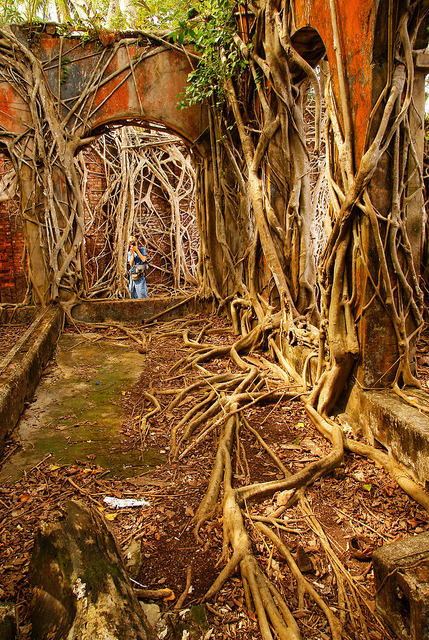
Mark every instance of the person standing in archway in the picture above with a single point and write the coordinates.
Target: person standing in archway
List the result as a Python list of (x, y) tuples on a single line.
[(136, 258)]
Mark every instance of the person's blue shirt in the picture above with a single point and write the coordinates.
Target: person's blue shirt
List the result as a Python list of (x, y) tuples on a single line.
[(137, 287), (137, 259)]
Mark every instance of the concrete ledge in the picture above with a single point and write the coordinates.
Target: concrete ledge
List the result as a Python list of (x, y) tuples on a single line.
[(401, 428), (21, 369), (401, 572), (17, 314), (383, 416), (133, 310)]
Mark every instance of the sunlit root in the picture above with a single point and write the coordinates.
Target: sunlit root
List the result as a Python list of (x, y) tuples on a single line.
[(201, 415), (410, 400), (300, 479), (346, 602), (244, 400), (269, 605), (303, 583), (144, 419), (193, 418), (209, 502), (400, 475), (210, 380), (286, 364)]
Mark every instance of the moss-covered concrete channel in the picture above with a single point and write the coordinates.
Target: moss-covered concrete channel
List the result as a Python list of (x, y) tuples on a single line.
[(77, 411), (62, 394)]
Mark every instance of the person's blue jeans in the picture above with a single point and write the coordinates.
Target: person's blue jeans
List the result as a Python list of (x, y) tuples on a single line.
[(138, 288)]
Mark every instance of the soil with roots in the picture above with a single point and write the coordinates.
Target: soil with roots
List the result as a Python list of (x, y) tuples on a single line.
[(356, 508), (9, 336)]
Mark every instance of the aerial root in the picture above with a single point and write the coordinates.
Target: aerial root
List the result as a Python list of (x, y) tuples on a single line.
[(302, 478), (269, 605), (209, 502), (271, 609), (398, 473), (303, 584), (144, 423), (228, 395), (346, 603), (327, 427), (410, 400)]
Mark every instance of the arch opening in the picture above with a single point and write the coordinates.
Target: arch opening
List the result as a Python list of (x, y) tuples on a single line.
[(138, 180)]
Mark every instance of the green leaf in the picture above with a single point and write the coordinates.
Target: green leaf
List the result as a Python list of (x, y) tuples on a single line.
[(368, 487)]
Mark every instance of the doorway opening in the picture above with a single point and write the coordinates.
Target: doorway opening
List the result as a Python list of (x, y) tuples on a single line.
[(138, 181)]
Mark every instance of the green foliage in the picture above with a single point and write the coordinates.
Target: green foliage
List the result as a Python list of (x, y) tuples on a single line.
[(64, 69), (210, 27), (207, 24), (161, 15), (79, 15), (119, 20), (9, 12)]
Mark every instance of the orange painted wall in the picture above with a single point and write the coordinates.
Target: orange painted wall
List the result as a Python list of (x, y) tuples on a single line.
[(356, 24)]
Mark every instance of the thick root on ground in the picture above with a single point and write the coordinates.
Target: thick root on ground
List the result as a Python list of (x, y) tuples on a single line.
[(225, 397)]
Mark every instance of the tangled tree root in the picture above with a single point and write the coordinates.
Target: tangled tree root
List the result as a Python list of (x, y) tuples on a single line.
[(222, 398)]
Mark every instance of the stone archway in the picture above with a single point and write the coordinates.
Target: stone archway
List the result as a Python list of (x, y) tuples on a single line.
[(141, 80), (85, 86)]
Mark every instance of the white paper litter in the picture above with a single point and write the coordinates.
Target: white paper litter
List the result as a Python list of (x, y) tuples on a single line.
[(123, 503)]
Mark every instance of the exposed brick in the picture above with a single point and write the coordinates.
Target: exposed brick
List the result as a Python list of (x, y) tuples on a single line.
[(12, 277)]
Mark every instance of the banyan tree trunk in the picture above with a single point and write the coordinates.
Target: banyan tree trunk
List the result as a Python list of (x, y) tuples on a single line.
[(80, 588)]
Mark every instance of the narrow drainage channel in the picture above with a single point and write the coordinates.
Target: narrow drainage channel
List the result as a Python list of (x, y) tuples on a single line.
[(77, 411)]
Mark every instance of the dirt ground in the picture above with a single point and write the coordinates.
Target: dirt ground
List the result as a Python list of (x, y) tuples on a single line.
[(9, 336), (358, 507)]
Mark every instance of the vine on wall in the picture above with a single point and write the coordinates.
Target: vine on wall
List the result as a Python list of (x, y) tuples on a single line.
[(254, 212)]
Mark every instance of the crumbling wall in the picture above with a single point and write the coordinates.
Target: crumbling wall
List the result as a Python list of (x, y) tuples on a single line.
[(13, 282)]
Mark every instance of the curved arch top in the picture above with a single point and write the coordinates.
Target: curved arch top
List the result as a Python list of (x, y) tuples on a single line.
[(132, 79)]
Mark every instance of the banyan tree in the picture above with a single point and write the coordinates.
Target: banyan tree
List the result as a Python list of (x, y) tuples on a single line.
[(304, 127)]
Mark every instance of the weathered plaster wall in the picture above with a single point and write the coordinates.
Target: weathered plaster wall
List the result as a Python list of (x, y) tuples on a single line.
[(356, 28), (150, 92)]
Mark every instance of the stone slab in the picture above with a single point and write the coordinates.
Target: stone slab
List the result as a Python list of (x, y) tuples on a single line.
[(18, 314), (133, 310), (401, 428), (382, 416), (20, 375), (401, 572)]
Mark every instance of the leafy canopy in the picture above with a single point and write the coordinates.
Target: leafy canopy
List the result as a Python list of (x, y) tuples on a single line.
[(107, 14)]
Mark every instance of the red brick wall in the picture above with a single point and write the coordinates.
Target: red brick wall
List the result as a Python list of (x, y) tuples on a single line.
[(13, 283), (97, 241)]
